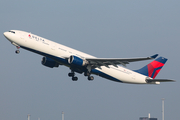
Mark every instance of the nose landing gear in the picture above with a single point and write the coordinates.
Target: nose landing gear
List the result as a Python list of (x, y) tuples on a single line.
[(17, 51)]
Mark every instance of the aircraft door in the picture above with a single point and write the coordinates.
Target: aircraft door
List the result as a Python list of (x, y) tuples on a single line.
[(53, 46), (22, 36), (134, 77)]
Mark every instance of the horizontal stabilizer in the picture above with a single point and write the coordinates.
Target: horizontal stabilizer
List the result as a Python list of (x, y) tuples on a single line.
[(159, 80)]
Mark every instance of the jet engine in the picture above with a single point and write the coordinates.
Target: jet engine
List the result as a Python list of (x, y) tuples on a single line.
[(48, 62), (77, 61)]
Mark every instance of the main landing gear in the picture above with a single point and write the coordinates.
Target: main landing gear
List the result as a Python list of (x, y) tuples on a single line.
[(89, 77), (74, 78), (72, 74)]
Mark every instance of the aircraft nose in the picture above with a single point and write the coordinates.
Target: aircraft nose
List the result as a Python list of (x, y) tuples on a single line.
[(5, 34)]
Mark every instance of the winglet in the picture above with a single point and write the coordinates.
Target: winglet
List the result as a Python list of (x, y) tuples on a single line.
[(154, 56)]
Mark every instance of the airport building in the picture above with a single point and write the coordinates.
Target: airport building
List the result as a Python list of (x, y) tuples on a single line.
[(146, 118)]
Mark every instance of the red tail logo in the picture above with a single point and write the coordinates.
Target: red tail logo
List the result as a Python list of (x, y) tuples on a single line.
[(153, 68)]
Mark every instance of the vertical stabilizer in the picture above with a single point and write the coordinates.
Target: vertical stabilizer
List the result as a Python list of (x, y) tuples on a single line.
[(153, 68)]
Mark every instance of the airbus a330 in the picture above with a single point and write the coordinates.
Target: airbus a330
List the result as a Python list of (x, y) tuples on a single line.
[(55, 54)]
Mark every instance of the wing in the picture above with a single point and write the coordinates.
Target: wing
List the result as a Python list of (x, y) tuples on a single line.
[(159, 80), (98, 62)]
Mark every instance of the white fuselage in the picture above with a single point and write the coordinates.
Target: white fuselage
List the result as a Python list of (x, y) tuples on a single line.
[(45, 47)]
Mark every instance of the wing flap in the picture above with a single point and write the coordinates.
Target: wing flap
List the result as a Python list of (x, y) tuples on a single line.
[(98, 62)]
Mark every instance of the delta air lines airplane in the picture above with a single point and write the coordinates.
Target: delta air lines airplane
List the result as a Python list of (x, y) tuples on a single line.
[(55, 54)]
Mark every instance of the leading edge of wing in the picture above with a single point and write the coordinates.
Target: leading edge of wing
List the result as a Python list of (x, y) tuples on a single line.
[(123, 59), (116, 61)]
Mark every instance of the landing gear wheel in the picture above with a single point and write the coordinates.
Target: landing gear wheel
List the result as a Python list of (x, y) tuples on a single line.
[(71, 74), (90, 78), (17, 51), (74, 78)]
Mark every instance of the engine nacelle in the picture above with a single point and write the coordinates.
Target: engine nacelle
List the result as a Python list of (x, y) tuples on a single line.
[(48, 62), (77, 61)]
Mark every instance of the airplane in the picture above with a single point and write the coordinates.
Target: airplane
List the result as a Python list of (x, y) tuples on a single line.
[(114, 69)]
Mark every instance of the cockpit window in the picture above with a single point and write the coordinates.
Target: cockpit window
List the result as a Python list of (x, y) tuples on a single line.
[(12, 32)]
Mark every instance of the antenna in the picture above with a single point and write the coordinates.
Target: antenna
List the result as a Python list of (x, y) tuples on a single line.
[(62, 115), (163, 108), (28, 116), (149, 115)]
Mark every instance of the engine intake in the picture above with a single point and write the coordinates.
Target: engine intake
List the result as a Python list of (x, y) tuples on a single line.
[(48, 62), (76, 61)]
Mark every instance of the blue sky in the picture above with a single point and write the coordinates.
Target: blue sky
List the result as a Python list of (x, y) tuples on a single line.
[(102, 28)]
